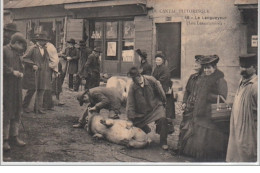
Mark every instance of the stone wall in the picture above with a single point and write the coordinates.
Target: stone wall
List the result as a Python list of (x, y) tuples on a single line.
[(207, 27)]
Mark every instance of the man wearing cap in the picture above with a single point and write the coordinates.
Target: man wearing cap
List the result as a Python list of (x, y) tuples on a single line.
[(145, 104), (145, 67), (12, 90), (9, 30), (83, 54), (99, 98), (92, 67), (72, 58), (37, 74), (242, 145)]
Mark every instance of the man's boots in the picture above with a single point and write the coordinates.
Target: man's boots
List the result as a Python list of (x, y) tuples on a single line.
[(16, 141), (6, 146)]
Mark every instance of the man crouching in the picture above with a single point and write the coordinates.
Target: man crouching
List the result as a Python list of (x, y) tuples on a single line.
[(99, 98), (145, 104)]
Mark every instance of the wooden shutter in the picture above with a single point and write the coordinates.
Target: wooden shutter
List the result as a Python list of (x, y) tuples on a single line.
[(74, 29), (143, 36)]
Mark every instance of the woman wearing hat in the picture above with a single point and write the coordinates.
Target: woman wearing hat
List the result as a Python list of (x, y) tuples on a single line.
[(162, 74), (145, 67), (205, 140), (188, 102)]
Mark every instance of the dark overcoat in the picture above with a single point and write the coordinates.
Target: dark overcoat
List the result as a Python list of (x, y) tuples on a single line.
[(92, 67), (93, 64), (145, 68), (72, 64), (83, 54), (144, 103), (161, 73), (107, 98), (12, 85), (207, 89), (34, 57), (190, 96), (200, 137)]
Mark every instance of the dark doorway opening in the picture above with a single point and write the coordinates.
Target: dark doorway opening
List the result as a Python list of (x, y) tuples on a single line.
[(169, 43)]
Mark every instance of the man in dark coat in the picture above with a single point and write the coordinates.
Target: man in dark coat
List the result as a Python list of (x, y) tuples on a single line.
[(92, 67), (12, 90), (100, 98), (9, 30), (72, 58), (37, 74), (145, 67), (145, 104), (83, 54)]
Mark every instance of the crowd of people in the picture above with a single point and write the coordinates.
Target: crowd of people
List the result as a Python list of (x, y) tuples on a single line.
[(150, 97)]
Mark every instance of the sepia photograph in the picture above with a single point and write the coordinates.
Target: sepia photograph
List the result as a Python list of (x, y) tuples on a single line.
[(129, 82)]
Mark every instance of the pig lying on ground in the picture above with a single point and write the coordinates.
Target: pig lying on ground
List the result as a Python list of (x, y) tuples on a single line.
[(116, 131)]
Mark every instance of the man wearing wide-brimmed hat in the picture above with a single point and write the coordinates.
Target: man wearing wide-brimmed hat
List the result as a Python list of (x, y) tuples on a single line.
[(37, 74), (242, 145), (9, 30), (92, 67), (12, 90), (72, 61), (83, 53)]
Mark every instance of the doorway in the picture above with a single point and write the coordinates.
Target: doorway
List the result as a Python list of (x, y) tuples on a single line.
[(169, 43)]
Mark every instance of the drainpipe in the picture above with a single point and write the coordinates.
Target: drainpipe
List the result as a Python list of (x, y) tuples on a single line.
[(65, 34)]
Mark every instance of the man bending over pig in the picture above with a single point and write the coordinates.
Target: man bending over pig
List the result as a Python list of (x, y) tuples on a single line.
[(145, 104), (99, 98)]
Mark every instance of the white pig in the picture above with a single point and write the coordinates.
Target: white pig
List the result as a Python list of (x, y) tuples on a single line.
[(116, 131)]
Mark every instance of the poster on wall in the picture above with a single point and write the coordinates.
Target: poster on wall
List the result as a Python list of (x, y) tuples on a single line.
[(111, 29), (111, 48), (128, 55)]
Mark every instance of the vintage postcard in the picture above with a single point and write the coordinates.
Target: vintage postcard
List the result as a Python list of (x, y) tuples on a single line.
[(129, 82)]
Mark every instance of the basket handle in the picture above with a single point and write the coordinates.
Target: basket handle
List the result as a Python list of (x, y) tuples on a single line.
[(224, 100)]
